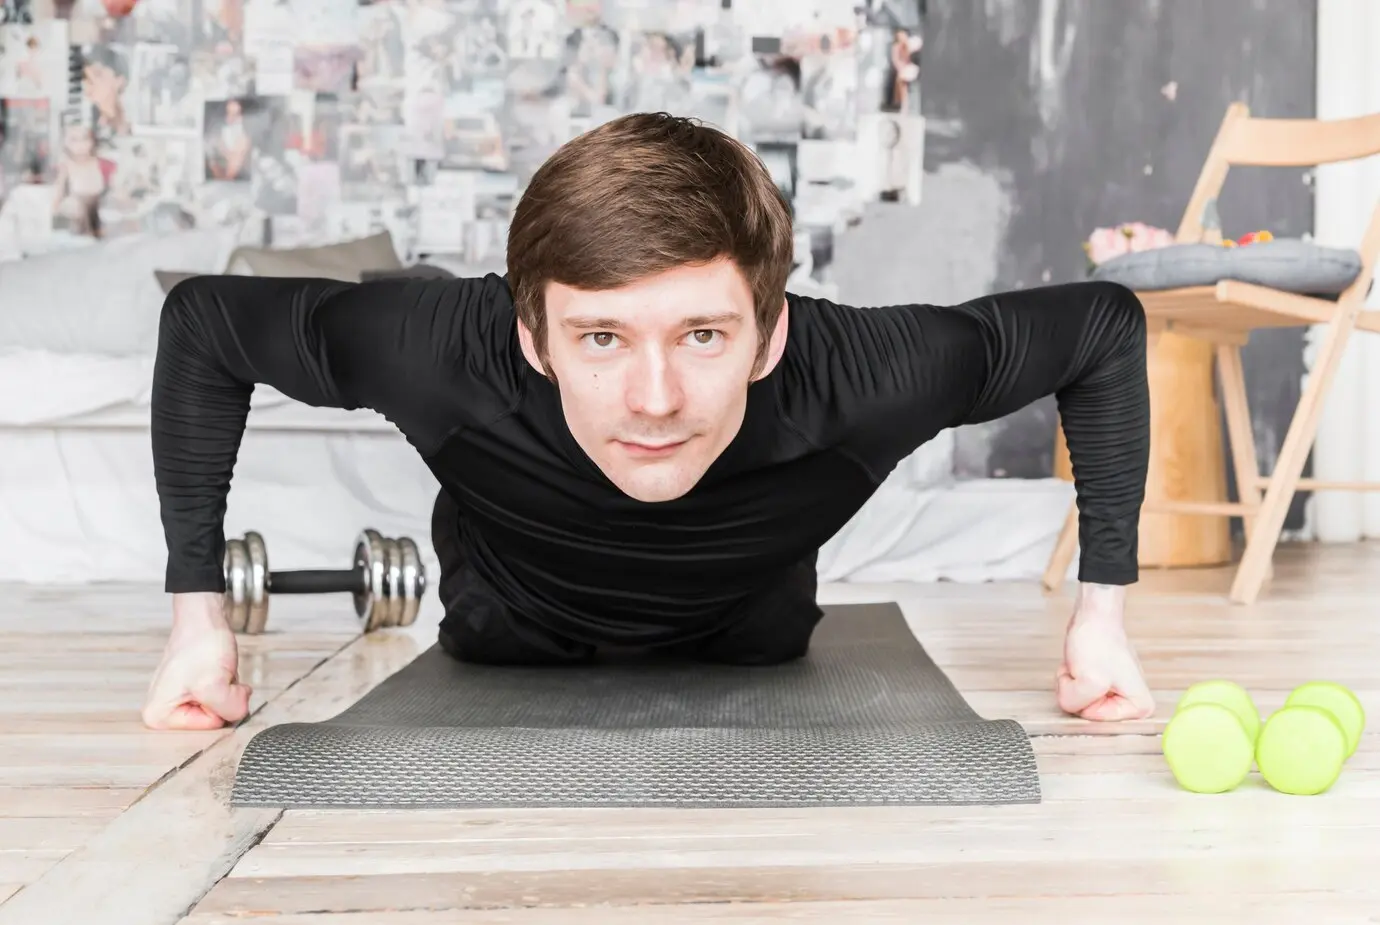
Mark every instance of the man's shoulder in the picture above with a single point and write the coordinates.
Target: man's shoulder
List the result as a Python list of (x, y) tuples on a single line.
[(477, 310), (808, 380), (466, 333), (840, 359), (487, 294), (486, 320), (817, 327)]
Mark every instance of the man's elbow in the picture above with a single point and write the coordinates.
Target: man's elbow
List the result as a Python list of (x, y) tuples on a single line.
[(179, 327), (184, 292), (1121, 310)]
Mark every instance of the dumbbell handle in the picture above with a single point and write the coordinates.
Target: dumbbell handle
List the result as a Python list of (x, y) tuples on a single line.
[(317, 581)]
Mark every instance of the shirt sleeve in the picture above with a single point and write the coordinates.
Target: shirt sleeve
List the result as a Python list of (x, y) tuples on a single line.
[(906, 372), (405, 348)]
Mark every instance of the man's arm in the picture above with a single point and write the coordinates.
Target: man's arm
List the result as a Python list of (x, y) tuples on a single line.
[(907, 372), (427, 354), (1085, 344), (393, 346), (915, 370)]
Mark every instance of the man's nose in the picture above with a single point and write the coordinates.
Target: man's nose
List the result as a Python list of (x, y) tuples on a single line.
[(654, 385)]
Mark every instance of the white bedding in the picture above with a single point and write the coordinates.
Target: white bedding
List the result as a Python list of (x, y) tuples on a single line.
[(105, 298), (46, 388), (79, 504), (77, 498)]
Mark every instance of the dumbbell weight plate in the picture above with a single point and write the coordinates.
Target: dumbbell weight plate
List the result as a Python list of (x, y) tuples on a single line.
[(257, 582), (371, 558), (413, 582), (236, 566), (406, 580), (394, 581), (400, 577), (246, 581), (389, 603)]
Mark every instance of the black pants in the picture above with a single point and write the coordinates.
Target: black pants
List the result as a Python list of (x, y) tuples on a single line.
[(774, 626)]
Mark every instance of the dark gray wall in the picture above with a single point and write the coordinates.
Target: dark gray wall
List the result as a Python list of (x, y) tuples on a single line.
[(1047, 119)]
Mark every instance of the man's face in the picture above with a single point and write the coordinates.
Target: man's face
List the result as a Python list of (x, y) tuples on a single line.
[(654, 376)]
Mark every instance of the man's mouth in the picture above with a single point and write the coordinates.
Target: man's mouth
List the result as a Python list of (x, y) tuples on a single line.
[(650, 449)]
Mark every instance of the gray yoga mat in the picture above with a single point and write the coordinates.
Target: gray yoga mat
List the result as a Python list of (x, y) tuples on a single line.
[(866, 718)]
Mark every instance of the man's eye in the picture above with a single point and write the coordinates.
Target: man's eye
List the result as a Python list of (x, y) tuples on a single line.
[(703, 338), (601, 338)]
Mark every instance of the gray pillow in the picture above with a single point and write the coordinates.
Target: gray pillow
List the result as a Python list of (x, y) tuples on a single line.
[(167, 279), (1288, 264), (416, 271), (343, 260)]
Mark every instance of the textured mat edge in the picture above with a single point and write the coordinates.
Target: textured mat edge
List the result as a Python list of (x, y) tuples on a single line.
[(906, 765)]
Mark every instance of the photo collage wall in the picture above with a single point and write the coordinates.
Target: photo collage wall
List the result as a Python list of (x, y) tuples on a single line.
[(333, 119)]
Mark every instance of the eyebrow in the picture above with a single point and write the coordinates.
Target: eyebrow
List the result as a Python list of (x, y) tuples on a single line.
[(587, 323)]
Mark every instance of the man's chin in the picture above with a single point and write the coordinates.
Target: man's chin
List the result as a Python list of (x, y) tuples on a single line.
[(656, 494), (653, 481)]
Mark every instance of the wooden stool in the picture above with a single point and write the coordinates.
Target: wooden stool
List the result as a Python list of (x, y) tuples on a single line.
[(1187, 461)]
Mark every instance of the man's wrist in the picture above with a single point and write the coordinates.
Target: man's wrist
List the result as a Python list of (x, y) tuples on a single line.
[(199, 611), (1099, 602)]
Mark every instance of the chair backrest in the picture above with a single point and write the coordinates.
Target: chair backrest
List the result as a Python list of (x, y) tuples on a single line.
[(1248, 141)]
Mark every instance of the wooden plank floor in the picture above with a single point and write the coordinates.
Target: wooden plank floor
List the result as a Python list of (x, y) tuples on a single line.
[(98, 813)]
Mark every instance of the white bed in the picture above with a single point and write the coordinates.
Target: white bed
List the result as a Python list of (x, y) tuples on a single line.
[(77, 499)]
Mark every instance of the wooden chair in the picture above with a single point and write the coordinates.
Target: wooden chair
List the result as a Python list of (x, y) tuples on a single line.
[(1225, 314)]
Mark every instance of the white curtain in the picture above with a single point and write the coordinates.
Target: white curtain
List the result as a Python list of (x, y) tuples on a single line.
[(1348, 441)]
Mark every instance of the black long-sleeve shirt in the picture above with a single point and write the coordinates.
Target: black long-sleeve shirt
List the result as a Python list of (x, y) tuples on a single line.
[(856, 391)]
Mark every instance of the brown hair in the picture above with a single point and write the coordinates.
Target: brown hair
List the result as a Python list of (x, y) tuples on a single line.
[(642, 194)]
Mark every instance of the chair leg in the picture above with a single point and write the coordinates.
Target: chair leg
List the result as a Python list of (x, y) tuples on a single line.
[(1240, 436), (1064, 549), (1264, 534)]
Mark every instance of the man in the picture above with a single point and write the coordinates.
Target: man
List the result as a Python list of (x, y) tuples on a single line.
[(641, 438)]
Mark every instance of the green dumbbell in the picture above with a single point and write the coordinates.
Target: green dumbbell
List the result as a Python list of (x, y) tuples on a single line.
[(1210, 741), (1303, 746)]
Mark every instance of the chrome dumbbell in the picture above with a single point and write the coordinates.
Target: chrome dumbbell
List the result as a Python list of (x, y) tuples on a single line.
[(386, 581)]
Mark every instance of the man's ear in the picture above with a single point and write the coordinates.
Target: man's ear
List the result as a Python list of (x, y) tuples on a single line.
[(777, 346), (529, 348)]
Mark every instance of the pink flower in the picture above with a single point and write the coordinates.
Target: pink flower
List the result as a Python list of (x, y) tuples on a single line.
[(1146, 237), (1105, 243)]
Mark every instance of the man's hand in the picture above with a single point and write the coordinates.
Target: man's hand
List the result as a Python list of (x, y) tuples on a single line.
[(196, 684), (1101, 678)]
